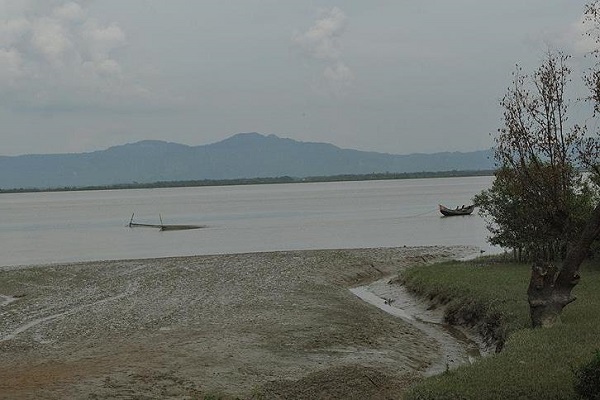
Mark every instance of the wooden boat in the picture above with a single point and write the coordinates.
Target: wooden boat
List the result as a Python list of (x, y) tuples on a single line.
[(450, 212), (162, 226)]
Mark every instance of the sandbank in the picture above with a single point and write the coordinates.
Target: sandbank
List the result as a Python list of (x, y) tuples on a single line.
[(280, 325)]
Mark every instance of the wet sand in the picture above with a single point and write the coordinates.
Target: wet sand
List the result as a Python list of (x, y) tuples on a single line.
[(457, 345), (278, 325)]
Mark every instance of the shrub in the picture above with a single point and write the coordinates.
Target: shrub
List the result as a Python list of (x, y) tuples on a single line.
[(587, 379)]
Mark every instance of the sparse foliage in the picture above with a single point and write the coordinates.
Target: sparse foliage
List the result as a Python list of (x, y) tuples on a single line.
[(538, 201)]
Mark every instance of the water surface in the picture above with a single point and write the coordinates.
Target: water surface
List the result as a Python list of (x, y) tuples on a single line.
[(40, 228)]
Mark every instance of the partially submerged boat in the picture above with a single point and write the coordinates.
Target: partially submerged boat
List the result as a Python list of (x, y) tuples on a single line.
[(162, 226), (450, 212)]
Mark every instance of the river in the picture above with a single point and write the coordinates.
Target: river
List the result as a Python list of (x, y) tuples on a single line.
[(42, 228)]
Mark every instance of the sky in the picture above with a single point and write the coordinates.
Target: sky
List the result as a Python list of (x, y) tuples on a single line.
[(392, 76)]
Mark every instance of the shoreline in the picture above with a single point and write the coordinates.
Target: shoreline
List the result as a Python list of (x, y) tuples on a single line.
[(275, 323), (470, 252), (458, 345)]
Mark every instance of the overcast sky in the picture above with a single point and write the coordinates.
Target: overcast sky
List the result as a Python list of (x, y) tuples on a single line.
[(395, 76)]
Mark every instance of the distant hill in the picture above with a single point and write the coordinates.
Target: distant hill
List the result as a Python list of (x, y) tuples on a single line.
[(245, 155)]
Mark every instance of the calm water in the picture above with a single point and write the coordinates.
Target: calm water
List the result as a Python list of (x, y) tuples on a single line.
[(40, 228)]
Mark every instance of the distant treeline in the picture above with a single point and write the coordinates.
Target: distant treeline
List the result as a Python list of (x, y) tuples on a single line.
[(260, 181)]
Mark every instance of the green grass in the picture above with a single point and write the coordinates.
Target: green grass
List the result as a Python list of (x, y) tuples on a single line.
[(534, 364)]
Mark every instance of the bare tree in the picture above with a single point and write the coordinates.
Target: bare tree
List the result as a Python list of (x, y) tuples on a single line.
[(539, 201)]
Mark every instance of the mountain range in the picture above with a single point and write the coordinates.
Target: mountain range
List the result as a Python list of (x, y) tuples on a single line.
[(245, 155)]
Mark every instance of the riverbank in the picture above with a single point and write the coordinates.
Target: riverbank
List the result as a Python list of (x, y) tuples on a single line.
[(490, 294), (268, 325)]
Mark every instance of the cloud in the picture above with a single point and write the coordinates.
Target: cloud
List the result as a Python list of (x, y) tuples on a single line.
[(51, 40), (54, 55), (322, 43), (580, 37), (70, 12), (10, 64), (338, 76), (101, 40), (12, 30)]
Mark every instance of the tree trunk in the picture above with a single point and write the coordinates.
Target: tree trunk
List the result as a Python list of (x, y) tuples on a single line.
[(546, 297), (550, 288)]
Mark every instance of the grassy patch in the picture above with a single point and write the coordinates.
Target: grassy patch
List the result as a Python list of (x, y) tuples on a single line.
[(534, 364)]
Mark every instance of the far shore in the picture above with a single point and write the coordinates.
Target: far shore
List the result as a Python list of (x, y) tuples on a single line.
[(277, 325), (257, 181)]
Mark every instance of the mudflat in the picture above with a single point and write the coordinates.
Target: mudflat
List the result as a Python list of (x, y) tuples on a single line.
[(279, 325)]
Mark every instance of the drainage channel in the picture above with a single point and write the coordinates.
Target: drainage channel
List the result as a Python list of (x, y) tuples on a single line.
[(457, 347)]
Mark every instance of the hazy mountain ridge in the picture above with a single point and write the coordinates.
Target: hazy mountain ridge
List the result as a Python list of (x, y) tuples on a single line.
[(245, 155)]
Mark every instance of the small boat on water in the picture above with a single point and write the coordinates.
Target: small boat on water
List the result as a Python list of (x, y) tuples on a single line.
[(450, 212)]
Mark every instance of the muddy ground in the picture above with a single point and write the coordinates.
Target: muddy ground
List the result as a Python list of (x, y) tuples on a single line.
[(267, 325)]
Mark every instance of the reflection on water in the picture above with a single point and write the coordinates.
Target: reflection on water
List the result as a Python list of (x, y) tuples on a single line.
[(79, 226)]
